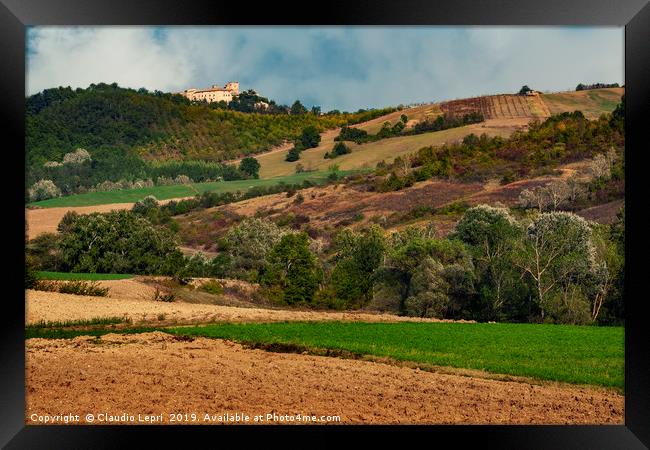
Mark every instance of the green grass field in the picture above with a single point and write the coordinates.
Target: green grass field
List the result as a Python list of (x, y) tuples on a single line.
[(82, 276), (176, 191), (572, 354)]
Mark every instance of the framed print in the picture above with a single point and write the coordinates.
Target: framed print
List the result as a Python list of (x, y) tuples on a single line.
[(388, 218)]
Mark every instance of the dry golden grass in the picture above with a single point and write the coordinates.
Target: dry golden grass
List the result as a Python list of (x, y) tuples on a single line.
[(592, 103), (368, 155), (133, 299)]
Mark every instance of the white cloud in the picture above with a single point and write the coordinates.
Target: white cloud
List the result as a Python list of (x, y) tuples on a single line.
[(335, 67)]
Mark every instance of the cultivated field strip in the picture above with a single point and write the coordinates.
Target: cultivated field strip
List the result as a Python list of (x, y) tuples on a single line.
[(498, 107)]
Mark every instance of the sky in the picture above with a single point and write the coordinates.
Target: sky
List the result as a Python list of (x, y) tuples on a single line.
[(345, 68)]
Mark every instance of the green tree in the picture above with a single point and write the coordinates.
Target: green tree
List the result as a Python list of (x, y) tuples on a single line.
[(298, 108), (524, 89), (116, 242), (428, 291), (44, 252), (250, 166), (68, 218), (31, 276), (405, 258), (617, 120), (357, 257), (491, 234), (294, 269), (310, 137), (292, 155)]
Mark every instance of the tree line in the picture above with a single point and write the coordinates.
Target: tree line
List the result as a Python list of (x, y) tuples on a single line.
[(544, 267)]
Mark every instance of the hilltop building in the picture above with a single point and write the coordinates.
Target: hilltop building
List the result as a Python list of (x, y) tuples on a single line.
[(214, 93)]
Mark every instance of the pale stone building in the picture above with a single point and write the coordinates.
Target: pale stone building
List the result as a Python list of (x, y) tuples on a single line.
[(214, 93)]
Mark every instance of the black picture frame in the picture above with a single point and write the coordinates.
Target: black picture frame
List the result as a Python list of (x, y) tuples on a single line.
[(15, 15)]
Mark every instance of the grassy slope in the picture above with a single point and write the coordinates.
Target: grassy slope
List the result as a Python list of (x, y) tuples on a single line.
[(573, 354), (82, 276), (592, 103), (173, 191), (368, 155)]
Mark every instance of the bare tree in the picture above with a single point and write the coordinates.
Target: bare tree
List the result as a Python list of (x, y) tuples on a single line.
[(557, 193), (601, 165)]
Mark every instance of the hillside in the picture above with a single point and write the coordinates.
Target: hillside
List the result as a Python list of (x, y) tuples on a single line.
[(444, 180), (369, 154), (156, 126), (504, 114)]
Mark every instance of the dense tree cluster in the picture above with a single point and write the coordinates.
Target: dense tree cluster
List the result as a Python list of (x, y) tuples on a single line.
[(115, 242), (547, 267), (389, 130), (106, 171), (584, 87), (123, 128)]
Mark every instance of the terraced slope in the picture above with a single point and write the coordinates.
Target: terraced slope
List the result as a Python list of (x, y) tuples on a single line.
[(498, 107)]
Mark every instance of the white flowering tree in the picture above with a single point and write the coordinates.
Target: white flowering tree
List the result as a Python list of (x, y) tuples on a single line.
[(183, 179), (249, 243), (43, 189), (557, 252), (601, 165), (79, 156)]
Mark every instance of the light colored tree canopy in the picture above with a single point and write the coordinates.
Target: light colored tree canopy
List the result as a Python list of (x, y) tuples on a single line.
[(557, 250)]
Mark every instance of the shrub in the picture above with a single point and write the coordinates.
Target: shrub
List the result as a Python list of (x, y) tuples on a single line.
[(75, 287), (159, 296), (212, 287), (339, 149), (183, 179), (141, 207), (292, 155)]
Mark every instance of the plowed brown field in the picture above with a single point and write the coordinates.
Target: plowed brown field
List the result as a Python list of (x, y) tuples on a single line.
[(157, 374)]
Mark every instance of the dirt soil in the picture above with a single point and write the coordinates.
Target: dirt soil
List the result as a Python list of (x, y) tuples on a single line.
[(605, 213), (158, 374), (134, 300)]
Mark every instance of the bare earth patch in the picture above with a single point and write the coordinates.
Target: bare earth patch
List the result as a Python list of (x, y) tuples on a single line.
[(140, 308), (155, 373)]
